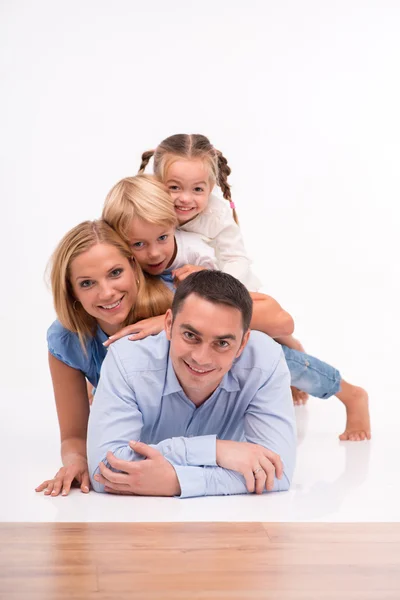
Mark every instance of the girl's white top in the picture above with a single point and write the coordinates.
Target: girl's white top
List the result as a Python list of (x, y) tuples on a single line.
[(191, 249), (217, 227)]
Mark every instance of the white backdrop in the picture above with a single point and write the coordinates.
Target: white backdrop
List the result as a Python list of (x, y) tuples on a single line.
[(302, 97)]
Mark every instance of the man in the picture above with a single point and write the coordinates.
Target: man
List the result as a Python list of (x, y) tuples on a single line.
[(209, 401)]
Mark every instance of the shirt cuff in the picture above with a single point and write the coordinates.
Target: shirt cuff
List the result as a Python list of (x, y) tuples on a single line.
[(201, 451), (192, 481)]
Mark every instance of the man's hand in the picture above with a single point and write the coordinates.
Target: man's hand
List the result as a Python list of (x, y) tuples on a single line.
[(154, 476), (180, 274), (257, 464)]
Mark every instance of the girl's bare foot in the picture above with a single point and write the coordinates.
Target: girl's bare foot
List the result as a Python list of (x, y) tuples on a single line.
[(298, 396), (355, 399)]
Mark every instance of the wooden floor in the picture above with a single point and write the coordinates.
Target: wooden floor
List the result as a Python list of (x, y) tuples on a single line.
[(176, 561)]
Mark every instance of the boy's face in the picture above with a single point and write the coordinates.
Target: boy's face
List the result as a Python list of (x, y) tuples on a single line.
[(153, 246), (188, 182)]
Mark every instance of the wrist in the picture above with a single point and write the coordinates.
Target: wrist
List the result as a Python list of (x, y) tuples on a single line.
[(71, 458), (219, 448)]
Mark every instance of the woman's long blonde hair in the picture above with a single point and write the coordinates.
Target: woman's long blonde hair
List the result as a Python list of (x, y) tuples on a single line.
[(143, 197), (152, 299)]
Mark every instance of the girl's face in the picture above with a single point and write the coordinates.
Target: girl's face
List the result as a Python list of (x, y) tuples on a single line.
[(153, 246), (104, 282), (188, 182)]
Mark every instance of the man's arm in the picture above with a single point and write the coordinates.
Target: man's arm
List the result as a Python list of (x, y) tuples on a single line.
[(115, 419), (269, 422)]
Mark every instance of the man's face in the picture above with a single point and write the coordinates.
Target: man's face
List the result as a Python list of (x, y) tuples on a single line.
[(205, 340)]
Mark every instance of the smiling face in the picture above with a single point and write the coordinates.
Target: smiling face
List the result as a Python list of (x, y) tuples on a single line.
[(104, 282), (205, 340), (188, 182), (153, 246)]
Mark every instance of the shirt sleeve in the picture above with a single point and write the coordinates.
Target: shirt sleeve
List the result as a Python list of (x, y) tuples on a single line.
[(230, 250), (232, 258), (115, 419), (202, 260), (270, 422), (218, 228), (65, 346)]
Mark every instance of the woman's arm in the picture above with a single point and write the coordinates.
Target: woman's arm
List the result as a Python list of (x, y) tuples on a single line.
[(269, 317), (73, 413)]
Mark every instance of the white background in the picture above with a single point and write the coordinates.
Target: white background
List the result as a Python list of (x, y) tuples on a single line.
[(303, 99)]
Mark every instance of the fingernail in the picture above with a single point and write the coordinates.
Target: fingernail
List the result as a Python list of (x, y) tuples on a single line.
[(132, 443), (63, 493), (53, 493), (85, 488), (96, 477)]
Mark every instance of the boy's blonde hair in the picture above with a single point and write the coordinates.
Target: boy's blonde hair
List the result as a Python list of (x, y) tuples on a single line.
[(193, 146), (152, 299), (142, 196)]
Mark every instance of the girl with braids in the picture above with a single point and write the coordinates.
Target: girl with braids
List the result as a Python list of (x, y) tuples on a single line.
[(142, 212), (190, 166)]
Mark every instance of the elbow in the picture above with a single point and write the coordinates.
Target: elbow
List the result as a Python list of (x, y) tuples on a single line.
[(284, 483), (94, 469), (97, 487)]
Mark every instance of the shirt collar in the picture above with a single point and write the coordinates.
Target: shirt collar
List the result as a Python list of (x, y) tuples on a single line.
[(229, 382), (171, 385)]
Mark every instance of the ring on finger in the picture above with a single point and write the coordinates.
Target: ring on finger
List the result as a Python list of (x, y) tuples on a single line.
[(257, 470)]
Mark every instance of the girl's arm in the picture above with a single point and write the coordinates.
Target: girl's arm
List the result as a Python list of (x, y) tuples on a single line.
[(232, 257), (217, 226), (73, 413), (269, 317)]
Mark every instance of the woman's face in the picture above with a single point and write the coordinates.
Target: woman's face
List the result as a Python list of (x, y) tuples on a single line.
[(104, 282)]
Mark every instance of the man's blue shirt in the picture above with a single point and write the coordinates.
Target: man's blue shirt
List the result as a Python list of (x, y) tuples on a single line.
[(140, 398)]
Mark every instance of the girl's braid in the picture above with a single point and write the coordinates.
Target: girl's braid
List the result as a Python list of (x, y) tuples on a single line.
[(146, 156), (223, 173)]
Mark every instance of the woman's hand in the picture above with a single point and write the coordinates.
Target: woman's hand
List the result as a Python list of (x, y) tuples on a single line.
[(180, 274), (139, 330), (76, 471)]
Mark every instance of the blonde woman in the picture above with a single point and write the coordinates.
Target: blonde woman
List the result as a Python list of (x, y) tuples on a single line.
[(98, 288)]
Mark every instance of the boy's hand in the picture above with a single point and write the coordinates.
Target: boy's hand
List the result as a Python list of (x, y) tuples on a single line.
[(180, 274), (139, 330)]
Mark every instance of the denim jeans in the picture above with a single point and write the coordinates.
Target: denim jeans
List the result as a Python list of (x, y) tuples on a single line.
[(311, 375)]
